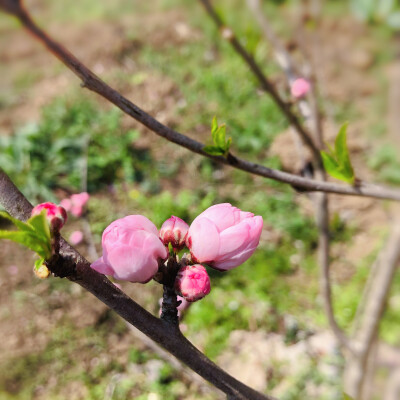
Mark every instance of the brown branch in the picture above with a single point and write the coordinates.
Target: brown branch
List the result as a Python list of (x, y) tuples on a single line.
[(373, 305), (77, 269), (95, 84)]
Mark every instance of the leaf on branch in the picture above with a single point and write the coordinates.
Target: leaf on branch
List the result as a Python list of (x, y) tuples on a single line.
[(346, 396), (337, 161), (221, 145), (33, 234)]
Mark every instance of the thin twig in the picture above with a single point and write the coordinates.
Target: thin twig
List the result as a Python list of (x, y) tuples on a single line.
[(76, 268), (264, 81), (309, 109), (374, 306), (95, 84)]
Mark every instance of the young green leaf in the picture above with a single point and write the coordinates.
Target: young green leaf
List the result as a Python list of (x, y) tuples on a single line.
[(23, 226), (337, 161), (342, 152), (219, 138), (214, 150), (28, 239), (214, 125), (41, 226), (38, 263), (221, 145), (346, 396)]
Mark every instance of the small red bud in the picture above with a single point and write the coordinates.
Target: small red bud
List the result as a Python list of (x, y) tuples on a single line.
[(55, 215)]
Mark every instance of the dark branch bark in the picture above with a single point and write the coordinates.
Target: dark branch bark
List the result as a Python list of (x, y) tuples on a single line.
[(76, 268), (95, 84)]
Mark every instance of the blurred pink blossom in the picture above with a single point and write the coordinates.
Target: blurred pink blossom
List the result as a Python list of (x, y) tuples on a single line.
[(192, 282), (300, 87), (76, 237), (132, 250), (76, 203), (174, 231), (55, 215), (224, 236)]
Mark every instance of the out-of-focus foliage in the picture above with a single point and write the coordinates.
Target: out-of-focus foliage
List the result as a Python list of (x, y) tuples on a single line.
[(378, 11), (70, 141)]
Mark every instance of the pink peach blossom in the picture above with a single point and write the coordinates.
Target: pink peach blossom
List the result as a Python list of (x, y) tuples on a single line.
[(174, 231), (192, 282), (132, 250), (55, 215), (76, 237), (76, 203), (300, 87), (224, 236)]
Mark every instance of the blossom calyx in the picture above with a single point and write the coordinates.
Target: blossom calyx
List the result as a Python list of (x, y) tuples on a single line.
[(174, 231), (55, 215), (192, 282)]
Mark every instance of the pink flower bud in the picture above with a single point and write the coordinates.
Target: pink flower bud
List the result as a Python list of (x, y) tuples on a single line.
[(192, 282), (55, 215), (300, 87), (174, 231), (224, 236), (132, 250), (76, 237)]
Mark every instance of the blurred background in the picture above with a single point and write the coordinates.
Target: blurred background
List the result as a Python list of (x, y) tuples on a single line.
[(264, 321)]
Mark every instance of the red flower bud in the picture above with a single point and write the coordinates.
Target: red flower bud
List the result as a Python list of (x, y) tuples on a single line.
[(55, 215), (174, 231), (192, 282)]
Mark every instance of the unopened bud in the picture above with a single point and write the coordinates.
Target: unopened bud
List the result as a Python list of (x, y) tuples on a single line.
[(42, 272), (55, 215), (192, 282), (300, 87), (174, 231)]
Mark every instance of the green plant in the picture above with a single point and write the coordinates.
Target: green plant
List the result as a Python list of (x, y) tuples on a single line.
[(70, 138), (337, 161)]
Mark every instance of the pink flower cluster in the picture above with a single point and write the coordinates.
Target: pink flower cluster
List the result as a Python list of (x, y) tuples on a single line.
[(222, 237), (76, 203)]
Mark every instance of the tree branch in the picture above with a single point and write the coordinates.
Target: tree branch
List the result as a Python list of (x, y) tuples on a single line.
[(373, 306), (76, 268), (312, 118), (95, 84), (265, 83)]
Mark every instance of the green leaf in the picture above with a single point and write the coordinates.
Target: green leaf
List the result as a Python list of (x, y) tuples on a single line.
[(38, 263), (219, 138), (28, 239), (346, 396), (342, 152), (23, 226), (228, 145), (214, 150), (337, 162), (214, 125), (41, 226)]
